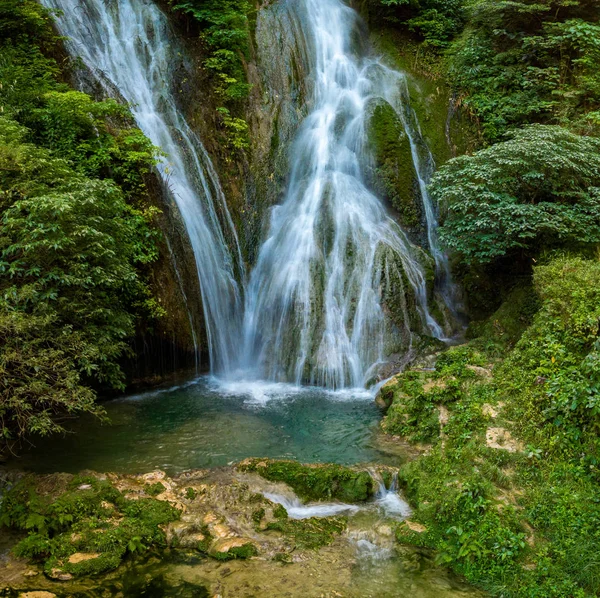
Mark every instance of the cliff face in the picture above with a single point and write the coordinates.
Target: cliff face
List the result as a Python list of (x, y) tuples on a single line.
[(254, 178)]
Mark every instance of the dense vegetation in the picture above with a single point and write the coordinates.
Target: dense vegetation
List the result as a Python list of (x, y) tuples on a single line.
[(82, 516), (434, 22), (76, 233), (529, 61), (508, 493), (224, 29)]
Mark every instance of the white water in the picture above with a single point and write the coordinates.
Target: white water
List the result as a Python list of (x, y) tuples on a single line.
[(128, 45), (388, 499), (313, 310), (297, 510)]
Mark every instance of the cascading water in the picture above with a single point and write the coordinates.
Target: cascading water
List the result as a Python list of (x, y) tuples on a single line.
[(313, 310), (128, 45)]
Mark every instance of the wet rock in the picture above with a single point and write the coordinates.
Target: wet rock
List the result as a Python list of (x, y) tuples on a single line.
[(59, 575)]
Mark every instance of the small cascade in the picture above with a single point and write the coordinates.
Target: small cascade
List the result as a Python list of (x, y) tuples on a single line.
[(129, 47), (315, 305), (388, 499), (297, 510), (397, 94)]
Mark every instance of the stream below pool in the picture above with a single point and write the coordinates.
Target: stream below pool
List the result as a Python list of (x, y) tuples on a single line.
[(205, 423)]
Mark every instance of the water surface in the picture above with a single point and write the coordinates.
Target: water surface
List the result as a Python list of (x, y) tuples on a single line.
[(204, 423)]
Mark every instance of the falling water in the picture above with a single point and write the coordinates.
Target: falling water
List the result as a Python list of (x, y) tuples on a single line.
[(313, 309), (128, 45)]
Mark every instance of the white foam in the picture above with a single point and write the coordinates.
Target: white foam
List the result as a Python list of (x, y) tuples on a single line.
[(297, 510)]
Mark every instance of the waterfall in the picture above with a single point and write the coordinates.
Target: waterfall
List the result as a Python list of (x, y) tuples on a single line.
[(313, 310), (130, 48)]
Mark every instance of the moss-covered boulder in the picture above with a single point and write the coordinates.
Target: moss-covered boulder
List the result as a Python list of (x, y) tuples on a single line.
[(81, 526), (393, 176), (422, 401), (315, 482)]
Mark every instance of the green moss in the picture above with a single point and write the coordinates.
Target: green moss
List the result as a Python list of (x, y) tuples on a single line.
[(418, 396), (504, 327), (430, 94), (89, 516), (315, 482), (394, 177), (258, 515), (521, 523), (310, 533), (237, 552), (154, 489), (191, 493), (279, 512)]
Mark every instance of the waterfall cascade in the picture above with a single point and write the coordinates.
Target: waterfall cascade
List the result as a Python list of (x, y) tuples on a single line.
[(313, 308), (129, 46)]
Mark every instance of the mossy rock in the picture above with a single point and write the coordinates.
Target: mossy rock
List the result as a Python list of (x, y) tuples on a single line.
[(418, 396), (86, 528), (394, 177), (315, 482), (230, 549), (309, 533)]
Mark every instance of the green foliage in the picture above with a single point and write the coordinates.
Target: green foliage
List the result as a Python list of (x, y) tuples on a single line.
[(435, 22), (315, 482), (89, 516), (154, 489), (523, 524), (75, 236), (526, 61), (69, 256), (554, 367), (226, 32), (191, 493), (539, 189), (504, 327), (417, 396)]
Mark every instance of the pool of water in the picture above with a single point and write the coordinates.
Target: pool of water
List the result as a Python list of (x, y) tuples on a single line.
[(206, 423)]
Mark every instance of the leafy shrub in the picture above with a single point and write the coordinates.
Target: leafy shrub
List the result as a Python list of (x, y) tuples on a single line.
[(539, 189), (89, 516), (435, 22), (225, 30), (69, 257), (527, 61)]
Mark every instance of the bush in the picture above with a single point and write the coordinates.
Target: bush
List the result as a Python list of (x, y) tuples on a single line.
[(539, 189), (435, 22), (528, 61)]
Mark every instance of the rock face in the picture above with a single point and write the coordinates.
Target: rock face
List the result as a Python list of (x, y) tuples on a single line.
[(501, 439)]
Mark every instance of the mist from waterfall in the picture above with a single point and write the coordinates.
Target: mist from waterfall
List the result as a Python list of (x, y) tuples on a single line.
[(313, 309), (129, 47)]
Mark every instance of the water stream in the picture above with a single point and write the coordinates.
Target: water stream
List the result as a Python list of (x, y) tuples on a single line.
[(130, 48), (314, 311)]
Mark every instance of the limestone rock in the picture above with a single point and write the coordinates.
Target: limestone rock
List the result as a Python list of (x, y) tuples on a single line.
[(59, 575), (413, 526), (501, 439), (79, 557)]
